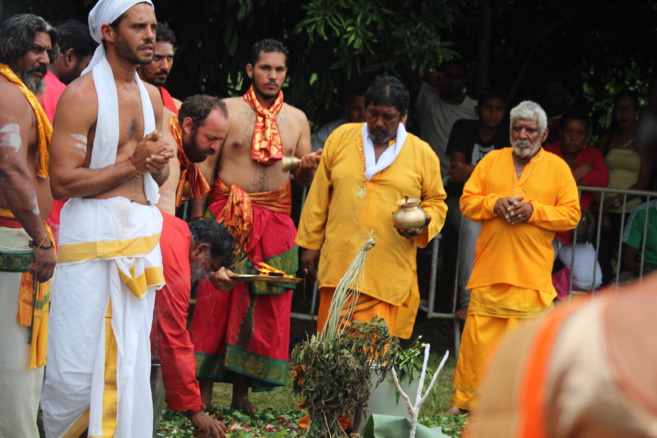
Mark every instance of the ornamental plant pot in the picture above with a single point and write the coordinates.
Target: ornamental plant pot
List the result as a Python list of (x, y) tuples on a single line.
[(385, 399)]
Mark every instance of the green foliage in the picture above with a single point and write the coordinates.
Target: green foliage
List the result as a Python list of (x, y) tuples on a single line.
[(408, 363), (240, 424), (333, 375), (451, 425), (367, 37)]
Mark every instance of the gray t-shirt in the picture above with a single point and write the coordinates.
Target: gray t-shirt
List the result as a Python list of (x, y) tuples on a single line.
[(436, 118)]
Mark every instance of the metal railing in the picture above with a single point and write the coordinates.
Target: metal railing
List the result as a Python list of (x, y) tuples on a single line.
[(428, 305)]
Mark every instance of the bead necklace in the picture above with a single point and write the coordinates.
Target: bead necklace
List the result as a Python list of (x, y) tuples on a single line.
[(360, 192), (524, 176), (627, 144)]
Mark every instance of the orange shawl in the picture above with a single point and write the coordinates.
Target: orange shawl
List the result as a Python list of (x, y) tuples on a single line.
[(189, 172), (266, 146), (44, 128), (237, 214), (33, 302)]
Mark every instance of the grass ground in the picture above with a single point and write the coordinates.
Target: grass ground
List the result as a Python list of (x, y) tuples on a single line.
[(278, 411)]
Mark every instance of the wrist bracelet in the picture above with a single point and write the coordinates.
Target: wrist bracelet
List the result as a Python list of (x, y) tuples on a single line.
[(135, 166), (196, 218), (189, 413), (31, 243)]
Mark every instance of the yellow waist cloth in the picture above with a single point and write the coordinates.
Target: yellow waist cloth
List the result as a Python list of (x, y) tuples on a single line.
[(505, 300)]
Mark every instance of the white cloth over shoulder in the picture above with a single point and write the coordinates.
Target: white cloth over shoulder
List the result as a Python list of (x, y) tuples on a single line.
[(106, 140), (372, 166), (107, 126)]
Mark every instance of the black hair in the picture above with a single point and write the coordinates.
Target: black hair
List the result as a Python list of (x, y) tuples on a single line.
[(388, 90), (17, 35), (576, 114), (267, 45), (199, 106), (75, 35), (218, 239), (489, 93), (164, 34)]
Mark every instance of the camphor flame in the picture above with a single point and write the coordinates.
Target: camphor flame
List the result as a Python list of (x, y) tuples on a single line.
[(270, 271)]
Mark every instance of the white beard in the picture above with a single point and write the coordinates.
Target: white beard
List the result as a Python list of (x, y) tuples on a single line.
[(525, 149)]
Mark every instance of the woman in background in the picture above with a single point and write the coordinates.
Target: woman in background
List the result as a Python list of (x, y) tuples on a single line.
[(629, 168)]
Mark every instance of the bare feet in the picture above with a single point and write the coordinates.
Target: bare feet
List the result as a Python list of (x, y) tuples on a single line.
[(454, 411), (241, 394), (245, 405)]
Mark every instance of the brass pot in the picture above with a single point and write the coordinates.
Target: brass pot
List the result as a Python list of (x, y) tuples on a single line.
[(290, 164), (409, 215)]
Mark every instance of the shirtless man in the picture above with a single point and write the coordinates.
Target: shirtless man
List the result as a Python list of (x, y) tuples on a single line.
[(26, 250), (198, 132), (108, 159), (228, 329), (157, 72)]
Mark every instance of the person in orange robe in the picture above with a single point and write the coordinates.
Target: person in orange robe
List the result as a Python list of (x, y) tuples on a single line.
[(522, 195), (586, 370)]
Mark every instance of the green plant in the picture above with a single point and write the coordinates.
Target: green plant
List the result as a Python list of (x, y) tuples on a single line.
[(408, 362), (333, 374)]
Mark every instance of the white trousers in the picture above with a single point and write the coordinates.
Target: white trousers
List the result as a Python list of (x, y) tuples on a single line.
[(585, 267)]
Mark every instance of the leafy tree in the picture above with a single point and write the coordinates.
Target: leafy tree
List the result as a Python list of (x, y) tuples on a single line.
[(600, 48)]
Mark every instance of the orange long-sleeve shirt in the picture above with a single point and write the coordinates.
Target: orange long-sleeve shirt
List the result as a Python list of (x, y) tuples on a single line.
[(520, 255)]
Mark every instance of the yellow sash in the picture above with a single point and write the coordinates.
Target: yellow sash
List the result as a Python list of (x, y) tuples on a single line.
[(44, 128)]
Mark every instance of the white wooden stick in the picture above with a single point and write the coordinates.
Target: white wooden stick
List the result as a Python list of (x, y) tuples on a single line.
[(414, 411)]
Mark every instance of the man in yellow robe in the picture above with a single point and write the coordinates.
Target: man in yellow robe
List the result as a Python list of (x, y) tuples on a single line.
[(522, 195), (365, 168), (585, 370)]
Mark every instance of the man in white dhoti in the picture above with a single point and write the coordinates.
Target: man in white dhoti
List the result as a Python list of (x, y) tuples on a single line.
[(108, 158)]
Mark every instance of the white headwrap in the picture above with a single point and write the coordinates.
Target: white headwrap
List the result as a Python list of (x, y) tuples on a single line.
[(106, 12), (106, 138)]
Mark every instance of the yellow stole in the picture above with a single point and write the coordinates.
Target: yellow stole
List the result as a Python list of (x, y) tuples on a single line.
[(44, 128), (33, 305)]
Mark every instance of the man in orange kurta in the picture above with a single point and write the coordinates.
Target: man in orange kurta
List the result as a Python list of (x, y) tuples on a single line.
[(522, 195), (365, 169)]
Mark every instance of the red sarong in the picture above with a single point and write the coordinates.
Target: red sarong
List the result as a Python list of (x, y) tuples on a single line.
[(241, 330)]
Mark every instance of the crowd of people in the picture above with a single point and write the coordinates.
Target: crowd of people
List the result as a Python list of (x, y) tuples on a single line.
[(97, 268)]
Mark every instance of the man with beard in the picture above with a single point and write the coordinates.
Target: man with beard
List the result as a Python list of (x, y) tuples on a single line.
[(251, 195), (365, 169), (198, 130), (157, 72), (27, 258), (185, 261), (108, 159), (439, 104), (522, 195)]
